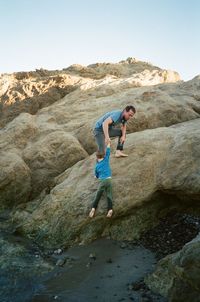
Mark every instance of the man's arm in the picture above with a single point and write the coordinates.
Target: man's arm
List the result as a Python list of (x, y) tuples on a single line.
[(123, 137), (106, 123)]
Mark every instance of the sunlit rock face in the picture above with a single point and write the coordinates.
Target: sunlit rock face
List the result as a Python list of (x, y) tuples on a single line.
[(31, 91), (159, 161), (48, 157)]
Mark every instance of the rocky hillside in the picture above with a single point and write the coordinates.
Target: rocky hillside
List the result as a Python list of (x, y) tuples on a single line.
[(47, 149), (31, 91)]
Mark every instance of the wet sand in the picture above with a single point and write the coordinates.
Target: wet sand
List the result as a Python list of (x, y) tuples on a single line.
[(106, 270), (102, 271)]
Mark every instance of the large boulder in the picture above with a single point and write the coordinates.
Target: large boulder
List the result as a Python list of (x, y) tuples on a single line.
[(45, 140), (159, 162), (15, 179), (18, 132), (49, 156), (157, 106), (21, 270), (31, 158), (177, 275)]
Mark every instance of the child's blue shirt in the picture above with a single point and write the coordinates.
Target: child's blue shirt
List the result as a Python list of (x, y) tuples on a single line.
[(102, 168)]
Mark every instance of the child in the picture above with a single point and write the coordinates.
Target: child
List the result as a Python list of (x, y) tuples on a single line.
[(103, 173)]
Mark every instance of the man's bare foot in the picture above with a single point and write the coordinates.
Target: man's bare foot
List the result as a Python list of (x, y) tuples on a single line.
[(92, 212), (119, 153), (109, 214)]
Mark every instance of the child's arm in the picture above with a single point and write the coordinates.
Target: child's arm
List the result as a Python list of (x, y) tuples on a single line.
[(107, 151), (96, 174)]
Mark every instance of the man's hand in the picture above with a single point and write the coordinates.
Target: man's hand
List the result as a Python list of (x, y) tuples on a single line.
[(122, 139), (107, 140)]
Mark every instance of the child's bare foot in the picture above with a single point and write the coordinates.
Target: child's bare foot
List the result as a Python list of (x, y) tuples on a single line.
[(109, 214), (91, 214), (119, 153)]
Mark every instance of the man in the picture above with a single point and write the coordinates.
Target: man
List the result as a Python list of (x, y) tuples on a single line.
[(104, 129)]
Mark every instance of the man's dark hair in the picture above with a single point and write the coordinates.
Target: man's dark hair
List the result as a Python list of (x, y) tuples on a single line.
[(130, 107)]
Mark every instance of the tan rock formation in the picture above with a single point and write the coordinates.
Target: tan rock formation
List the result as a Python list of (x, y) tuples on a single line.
[(49, 156), (159, 161), (122, 69), (40, 140), (31, 91), (47, 160), (15, 179)]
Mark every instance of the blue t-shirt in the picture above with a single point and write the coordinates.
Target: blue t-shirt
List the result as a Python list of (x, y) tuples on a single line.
[(116, 117), (102, 168)]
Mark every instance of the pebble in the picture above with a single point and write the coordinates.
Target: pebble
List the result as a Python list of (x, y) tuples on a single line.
[(88, 264), (61, 262), (92, 256), (58, 251), (123, 245), (109, 260)]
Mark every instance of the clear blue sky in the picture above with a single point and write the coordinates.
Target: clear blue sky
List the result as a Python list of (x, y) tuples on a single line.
[(54, 34)]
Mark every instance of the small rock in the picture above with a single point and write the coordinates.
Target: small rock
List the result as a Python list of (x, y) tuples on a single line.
[(61, 262), (109, 260), (88, 264), (130, 287), (123, 245), (92, 256), (58, 251), (136, 286)]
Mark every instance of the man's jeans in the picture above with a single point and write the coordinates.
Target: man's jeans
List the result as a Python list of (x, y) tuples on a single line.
[(100, 138)]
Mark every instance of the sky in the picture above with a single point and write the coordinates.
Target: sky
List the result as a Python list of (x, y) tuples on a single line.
[(54, 34)]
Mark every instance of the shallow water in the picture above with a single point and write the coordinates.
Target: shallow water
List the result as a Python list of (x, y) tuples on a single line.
[(104, 270), (105, 276)]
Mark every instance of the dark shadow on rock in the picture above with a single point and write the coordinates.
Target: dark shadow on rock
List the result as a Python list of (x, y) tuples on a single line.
[(31, 105)]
